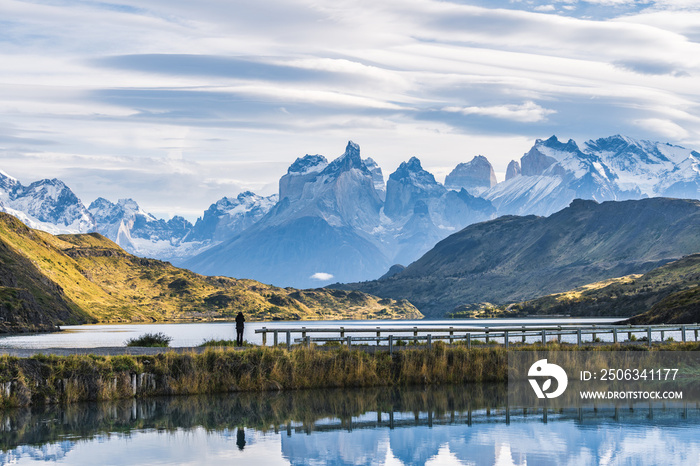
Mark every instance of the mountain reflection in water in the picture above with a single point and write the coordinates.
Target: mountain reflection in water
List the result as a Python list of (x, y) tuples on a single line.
[(435, 425)]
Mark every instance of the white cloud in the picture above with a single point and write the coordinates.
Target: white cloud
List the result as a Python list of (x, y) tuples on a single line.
[(663, 128), (321, 276), (528, 112), (380, 70)]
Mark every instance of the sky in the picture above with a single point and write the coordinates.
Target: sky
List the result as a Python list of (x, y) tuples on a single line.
[(176, 104)]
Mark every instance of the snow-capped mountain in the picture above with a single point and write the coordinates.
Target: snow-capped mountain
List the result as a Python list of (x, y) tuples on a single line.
[(176, 239), (51, 206), (339, 221), (230, 216), (47, 205), (614, 168), (319, 228), (650, 168), (332, 223), (141, 233), (407, 185), (552, 175)]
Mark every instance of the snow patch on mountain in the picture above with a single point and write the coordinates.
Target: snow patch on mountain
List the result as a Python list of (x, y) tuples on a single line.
[(47, 205)]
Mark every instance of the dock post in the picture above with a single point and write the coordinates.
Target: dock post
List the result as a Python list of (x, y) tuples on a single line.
[(578, 336), (342, 333), (379, 334), (523, 334), (486, 329), (349, 341), (559, 336), (505, 338), (415, 334), (275, 337), (289, 340), (264, 335), (430, 341), (451, 335), (614, 332), (391, 345), (649, 335), (683, 330), (663, 335), (308, 341), (544, 336), (696, 334), (303, 332), (469, 341), (593, 336)]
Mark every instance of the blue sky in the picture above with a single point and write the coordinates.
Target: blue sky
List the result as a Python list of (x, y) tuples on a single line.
[(178, 103)]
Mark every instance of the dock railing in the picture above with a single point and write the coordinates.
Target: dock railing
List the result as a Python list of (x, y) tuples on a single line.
[(504, 335)]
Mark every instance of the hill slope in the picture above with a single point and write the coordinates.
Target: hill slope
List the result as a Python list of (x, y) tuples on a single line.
[(47, 280), (518, 258), (668, 294)]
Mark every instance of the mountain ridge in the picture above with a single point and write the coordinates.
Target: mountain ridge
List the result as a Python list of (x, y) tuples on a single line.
[(516, 258), (365, 225)]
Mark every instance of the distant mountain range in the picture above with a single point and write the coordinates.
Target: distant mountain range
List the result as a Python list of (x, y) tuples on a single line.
[(332, 222), (515, 258), (338, 220), (48, 280)]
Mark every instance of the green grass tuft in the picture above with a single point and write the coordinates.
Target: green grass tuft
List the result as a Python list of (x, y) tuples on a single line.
[(153, 340)]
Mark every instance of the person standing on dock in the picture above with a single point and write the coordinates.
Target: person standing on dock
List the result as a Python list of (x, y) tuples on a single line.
[(239, 328)]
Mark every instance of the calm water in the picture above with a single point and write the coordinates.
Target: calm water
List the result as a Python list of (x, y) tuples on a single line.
[(438, 426), (192, 334)]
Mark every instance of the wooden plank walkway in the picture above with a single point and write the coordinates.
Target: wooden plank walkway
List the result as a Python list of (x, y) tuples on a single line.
[(468, 334)]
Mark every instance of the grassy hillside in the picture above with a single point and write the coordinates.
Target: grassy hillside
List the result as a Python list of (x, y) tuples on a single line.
[(47, 280), (513, 259), (668, 294)]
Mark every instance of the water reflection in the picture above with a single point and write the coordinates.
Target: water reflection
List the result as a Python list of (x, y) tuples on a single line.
[(454, 424)]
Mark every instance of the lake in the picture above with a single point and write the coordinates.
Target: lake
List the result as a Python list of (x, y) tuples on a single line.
[(193, 334), (384, 426)]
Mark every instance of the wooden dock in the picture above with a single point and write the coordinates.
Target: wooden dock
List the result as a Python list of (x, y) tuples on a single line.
[(504, 335)]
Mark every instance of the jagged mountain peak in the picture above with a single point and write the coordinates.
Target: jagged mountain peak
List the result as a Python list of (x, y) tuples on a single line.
[(407, 185), (475, 176), (554, 143), (513, 170), (106, 211), (349, 160), (49, 187), (130, 208), (46, 204), (413, 164), (377, 176), (307, 164), (617, 144), (414, 170), (370, 162), (352, 148), (4, 175)]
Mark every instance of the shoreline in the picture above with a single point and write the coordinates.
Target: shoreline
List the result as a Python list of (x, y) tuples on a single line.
[(133, 372)]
